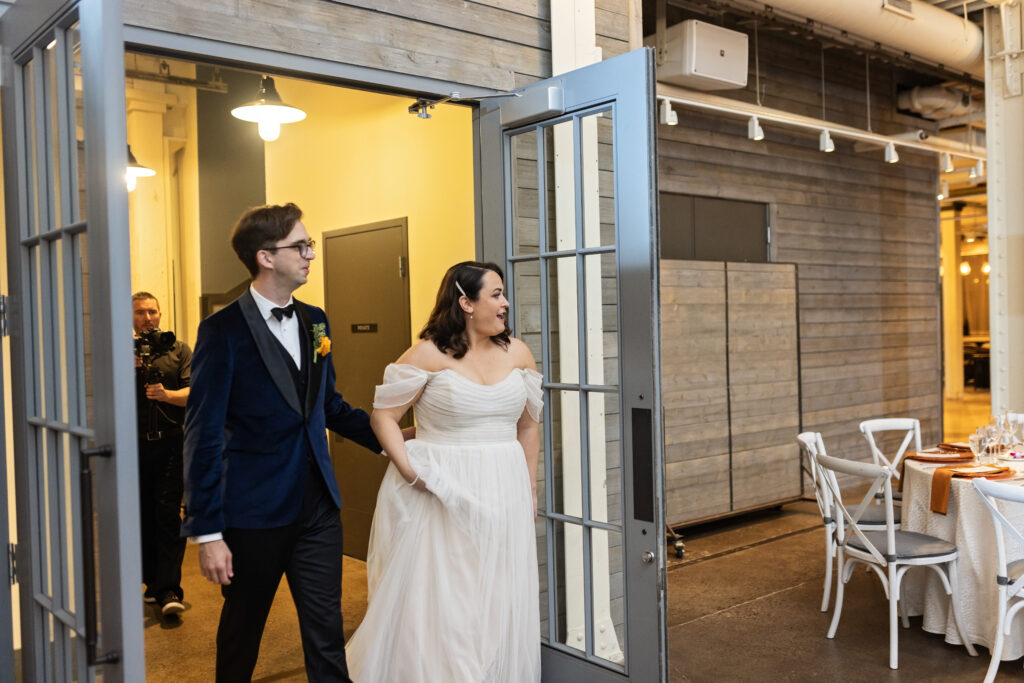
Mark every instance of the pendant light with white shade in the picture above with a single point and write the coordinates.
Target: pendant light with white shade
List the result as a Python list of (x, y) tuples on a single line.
[(135, 171), (268, 111)]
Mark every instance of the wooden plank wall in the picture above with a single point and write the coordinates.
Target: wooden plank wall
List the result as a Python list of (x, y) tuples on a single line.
[(730, 386), (499, 44), (865, 234)]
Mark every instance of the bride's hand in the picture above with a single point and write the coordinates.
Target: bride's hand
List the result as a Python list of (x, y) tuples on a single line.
[(415, 482)]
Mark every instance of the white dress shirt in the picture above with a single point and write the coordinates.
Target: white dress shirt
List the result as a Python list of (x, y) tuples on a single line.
[(285, 331)]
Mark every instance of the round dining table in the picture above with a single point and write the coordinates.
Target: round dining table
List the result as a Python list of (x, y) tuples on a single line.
[(968, 524)]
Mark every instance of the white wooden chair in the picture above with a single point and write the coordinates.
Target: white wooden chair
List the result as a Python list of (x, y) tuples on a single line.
[(1009, 576), (873, 520), (911, 429), (889, 553)]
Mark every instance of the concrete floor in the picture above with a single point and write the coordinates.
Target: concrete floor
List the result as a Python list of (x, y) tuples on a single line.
[(743, 605)]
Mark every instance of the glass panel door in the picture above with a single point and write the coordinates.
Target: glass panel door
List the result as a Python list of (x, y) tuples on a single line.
[(576, 230), (67, 236)]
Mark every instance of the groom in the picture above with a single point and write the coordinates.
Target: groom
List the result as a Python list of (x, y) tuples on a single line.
[(260, 494)]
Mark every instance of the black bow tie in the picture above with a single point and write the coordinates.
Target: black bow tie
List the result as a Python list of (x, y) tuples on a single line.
[(285, 312)]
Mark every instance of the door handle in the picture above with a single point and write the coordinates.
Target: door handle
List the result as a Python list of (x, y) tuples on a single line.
[(647, 557), (89, 556)]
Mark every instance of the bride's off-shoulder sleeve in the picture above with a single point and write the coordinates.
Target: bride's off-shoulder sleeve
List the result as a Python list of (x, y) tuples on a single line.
[(534, 393), (402, 383)]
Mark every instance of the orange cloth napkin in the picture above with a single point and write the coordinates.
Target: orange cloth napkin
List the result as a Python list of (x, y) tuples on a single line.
[(955, 448), (928, 457), (942, 479)]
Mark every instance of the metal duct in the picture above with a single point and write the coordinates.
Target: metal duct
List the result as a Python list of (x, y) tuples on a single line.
[(935, 102), (912, 26)]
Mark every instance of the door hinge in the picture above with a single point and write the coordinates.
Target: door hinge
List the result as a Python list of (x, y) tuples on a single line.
[(3, 315), (401, 266), (12, 563)]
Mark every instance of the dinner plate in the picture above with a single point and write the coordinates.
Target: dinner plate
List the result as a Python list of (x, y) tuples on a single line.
[(936, 454), (976, 469), (1010, 458)]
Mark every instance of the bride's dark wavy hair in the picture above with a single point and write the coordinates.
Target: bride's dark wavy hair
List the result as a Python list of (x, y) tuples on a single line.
[(446, 326)]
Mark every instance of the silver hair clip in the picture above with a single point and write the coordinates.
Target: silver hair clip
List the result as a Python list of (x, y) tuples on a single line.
[(461, 289)]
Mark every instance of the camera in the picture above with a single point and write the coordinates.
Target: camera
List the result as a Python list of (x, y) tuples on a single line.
[(150, 345)]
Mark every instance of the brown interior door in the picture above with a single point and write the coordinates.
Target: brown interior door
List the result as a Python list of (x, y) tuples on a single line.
[(366, 282)]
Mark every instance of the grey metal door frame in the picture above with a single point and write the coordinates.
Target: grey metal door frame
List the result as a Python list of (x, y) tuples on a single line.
[(72, 370), (622, 88)]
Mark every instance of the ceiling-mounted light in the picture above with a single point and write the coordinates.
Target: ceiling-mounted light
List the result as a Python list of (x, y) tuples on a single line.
[(969, 240), (947, 162), (979, 168), (973, 173), (986, 268), (825, 143), (666, 115), (754, 130), (965, 268), (943, 191), (268, 111), (135, 171), (891, 156)]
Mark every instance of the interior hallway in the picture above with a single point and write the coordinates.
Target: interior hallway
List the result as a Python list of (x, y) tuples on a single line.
[(961, 417)]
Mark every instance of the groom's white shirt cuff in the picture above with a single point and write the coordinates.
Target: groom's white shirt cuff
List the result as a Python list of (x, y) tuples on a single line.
[(206, 538)]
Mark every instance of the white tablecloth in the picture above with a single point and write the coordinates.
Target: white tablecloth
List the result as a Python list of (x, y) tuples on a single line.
[(968, 524)]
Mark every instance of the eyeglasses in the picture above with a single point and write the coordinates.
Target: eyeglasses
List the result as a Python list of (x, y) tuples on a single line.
[(306, 249)]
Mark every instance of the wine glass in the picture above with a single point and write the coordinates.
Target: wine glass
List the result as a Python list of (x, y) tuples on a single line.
[(979, 442)]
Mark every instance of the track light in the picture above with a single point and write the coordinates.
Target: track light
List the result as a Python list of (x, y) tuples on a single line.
[(943, 191), (666, 115), (979, 168), (825, 143), (891, 156), (754, 130), (973, 173), (947, 162)]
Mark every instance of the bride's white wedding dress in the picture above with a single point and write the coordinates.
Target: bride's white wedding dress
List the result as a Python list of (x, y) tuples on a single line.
[(452, 573)]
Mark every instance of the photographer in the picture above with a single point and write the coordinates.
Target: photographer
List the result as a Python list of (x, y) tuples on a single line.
[(163, 366)]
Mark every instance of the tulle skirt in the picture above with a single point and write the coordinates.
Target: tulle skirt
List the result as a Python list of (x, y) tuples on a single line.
[(452, 573)]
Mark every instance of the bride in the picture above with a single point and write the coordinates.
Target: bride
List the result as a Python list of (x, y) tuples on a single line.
[(452, 569)]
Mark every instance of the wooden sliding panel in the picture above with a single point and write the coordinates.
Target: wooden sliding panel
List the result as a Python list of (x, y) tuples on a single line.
[(694, 390), (763, 382)]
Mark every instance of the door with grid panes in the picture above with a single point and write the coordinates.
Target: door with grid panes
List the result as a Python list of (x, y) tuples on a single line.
[(569, 206), (72, 372)]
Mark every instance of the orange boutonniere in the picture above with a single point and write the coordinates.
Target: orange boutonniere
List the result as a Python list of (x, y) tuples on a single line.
[(321, 342)]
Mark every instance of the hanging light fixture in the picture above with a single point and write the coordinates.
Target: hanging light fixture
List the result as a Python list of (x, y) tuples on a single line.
[(666, 115), (825, 143), (947, 162), (965, 268), (979, 168), (754, 130), (135, 171), (268, 111), (943, 191), (891, 155)]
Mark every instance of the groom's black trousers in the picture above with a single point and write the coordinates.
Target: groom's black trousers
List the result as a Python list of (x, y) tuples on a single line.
[(308, 552)]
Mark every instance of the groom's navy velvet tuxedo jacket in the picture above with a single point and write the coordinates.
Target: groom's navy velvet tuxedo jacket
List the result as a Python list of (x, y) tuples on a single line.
[(249, 435)]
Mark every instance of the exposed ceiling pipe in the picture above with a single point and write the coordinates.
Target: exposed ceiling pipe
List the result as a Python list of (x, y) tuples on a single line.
[(935, 102), (922, 30)]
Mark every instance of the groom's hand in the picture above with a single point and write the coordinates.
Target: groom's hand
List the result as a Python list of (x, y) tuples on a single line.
[(215, 562)]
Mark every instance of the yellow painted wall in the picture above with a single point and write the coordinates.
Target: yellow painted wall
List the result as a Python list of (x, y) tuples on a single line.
[(359, 158), (163, 210)]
